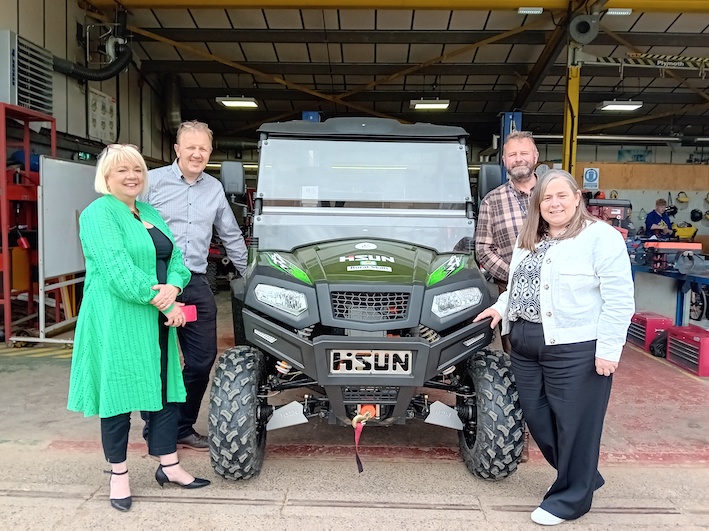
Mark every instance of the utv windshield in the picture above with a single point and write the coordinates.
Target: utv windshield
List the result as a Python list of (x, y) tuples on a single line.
[(316, 173), (413, 192)]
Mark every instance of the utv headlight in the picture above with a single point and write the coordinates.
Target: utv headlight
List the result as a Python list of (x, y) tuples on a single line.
[(452, 302), (288, 300)]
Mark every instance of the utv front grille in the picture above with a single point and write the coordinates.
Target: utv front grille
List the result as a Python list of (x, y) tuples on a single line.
[(370, 395), (370, 307)]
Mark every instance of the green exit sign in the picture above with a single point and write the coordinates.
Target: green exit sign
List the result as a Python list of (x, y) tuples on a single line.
[(86, 156)]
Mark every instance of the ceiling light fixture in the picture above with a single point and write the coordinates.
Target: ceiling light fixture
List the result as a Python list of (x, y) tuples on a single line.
[(619, 11), (429, 105), (620, 105), (238, 102), (530, 10)]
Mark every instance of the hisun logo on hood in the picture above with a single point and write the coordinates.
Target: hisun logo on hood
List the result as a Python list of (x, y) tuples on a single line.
[(367, 257)]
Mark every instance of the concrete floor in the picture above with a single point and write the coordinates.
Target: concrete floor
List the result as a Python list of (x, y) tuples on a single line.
[(655, 458)]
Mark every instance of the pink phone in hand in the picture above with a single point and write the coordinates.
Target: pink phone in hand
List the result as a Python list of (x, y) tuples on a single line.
[(190, 311)]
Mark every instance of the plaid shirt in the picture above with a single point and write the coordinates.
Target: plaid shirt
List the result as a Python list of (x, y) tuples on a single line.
[(502, 213)]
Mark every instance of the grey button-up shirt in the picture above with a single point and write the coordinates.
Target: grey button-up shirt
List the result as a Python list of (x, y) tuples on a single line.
[(191, 210)]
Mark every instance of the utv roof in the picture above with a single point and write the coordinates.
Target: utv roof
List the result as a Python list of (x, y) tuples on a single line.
[(383, 128)]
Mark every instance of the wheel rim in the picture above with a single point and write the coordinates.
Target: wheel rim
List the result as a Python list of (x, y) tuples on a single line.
[(696, 306), (467, 410)]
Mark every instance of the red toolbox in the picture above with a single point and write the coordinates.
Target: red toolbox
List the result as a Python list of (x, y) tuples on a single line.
[(688, 347), (644, 326)]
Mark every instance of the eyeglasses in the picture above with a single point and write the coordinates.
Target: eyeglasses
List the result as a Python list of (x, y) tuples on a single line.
[(117, 147), (121, 146)]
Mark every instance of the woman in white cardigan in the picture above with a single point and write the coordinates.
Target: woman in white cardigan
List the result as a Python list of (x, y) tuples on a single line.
[(567, 309)]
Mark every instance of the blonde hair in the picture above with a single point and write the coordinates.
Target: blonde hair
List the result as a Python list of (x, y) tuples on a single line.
[(112, 157), (194, 125), (535, 226), (661, 202)]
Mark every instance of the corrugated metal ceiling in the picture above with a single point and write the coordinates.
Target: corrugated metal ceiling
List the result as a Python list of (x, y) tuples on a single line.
[(354, 61)]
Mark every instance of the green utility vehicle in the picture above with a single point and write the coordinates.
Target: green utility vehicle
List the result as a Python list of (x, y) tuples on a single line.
[(360, 292)]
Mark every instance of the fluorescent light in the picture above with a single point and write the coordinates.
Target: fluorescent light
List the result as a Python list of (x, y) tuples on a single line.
[(429, 105), (218, 165), (620, 105), (619, 11), (238, 102), (530, 10)]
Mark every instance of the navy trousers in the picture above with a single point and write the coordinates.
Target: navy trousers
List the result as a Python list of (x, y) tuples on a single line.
[(198, 341), (564, 402), (162, 438)]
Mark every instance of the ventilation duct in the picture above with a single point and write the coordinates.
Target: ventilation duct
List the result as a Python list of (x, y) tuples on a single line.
[(25, 73), (583, 29), (116, 49), (226, 144), (122, 53), (173, 106)]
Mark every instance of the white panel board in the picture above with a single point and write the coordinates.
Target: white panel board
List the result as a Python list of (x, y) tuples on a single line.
[(66, 189)]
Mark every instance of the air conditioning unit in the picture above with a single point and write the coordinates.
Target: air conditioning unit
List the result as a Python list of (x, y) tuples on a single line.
[(25, 73), (644, 327), (688, 347)]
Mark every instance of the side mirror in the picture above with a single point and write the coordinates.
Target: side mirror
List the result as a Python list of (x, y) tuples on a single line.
[(233, 178)]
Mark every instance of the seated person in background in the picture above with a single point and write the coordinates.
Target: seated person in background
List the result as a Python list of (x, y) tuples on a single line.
[(628, 224), (658, 222)]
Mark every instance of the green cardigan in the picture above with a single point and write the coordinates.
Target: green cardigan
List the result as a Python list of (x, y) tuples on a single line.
[(116, 359)]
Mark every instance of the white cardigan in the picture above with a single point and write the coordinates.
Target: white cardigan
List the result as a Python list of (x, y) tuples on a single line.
[(586, 290)]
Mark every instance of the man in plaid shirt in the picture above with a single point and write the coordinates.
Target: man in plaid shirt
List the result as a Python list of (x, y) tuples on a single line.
[(504, 209)]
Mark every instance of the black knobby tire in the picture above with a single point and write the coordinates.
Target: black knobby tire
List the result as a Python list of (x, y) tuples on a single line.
[(237, 436), (697, 304), (212, 276), (491, 442), (658, 346)]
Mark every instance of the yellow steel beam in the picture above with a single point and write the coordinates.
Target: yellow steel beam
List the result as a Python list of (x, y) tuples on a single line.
[(679, 6), (571, 118)]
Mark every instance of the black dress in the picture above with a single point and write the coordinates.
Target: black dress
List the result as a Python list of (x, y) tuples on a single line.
[(163, 252)]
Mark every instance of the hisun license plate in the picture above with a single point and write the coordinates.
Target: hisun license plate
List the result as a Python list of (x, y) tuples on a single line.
[(399, 362)]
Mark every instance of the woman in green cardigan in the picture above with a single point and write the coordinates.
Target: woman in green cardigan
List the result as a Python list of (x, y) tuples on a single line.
[(125, 354)]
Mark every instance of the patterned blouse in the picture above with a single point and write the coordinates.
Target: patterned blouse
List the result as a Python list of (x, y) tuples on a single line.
[(524, 294)]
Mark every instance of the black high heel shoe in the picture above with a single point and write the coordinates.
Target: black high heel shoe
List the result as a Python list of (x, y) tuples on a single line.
[(122, 504), (162, 478)]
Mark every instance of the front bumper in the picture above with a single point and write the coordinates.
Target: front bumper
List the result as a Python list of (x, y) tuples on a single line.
[(311, 357)]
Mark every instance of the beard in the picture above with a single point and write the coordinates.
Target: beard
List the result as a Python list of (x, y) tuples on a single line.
[(521, 173)]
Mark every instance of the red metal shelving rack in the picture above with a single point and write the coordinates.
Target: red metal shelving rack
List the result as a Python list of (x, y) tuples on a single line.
[(17, 190)]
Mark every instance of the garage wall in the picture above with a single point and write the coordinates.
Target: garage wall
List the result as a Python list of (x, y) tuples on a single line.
[(51, 24)]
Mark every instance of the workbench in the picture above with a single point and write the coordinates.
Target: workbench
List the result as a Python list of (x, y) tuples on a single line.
[(664, 292)]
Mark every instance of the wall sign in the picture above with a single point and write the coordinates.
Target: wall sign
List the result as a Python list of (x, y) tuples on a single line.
[(590, 178)]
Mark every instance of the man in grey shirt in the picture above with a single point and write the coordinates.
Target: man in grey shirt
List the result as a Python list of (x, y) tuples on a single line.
[(192, 202)]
